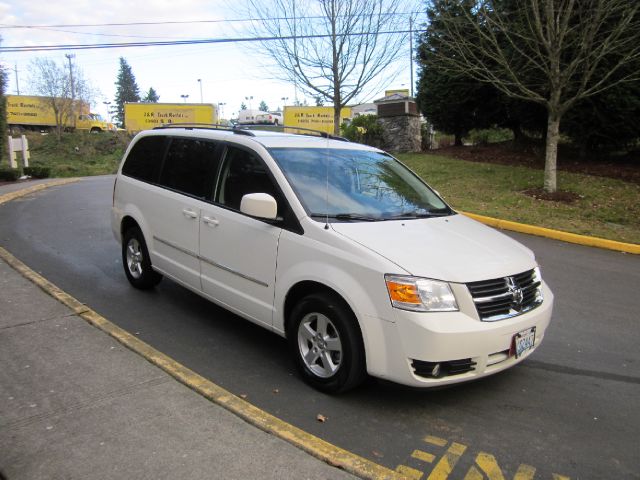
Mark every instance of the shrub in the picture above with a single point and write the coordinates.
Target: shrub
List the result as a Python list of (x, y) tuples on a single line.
[(37, 171), (10, 174), (363, 129), (489, 135)]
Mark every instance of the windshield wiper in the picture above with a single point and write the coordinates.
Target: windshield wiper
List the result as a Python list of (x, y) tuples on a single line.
[(420, 214), (356, 217)]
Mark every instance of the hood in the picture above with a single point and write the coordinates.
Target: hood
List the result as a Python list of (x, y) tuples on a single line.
[(454, 249)]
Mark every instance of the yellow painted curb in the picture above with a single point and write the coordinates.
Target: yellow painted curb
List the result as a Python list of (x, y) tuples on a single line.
[(307, 442), (7, 197), (556, 234)]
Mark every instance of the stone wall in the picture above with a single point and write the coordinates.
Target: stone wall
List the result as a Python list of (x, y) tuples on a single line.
[(401, 133)]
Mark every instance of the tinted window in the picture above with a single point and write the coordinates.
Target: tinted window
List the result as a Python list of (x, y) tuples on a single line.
[(190, 166), (145, 158), (244, 173)]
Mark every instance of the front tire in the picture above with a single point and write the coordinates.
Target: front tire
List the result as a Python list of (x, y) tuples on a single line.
[(326, 343), (136, 261)]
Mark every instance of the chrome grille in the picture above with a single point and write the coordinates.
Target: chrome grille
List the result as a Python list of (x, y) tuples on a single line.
[(501, 298)]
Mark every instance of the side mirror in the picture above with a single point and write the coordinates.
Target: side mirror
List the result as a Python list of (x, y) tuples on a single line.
[(260, 205)]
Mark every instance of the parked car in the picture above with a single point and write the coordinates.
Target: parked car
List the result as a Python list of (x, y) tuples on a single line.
[(336, 246), (258, 117)]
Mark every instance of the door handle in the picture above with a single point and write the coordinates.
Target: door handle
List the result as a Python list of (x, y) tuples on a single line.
[(210, 221), (189, 213)]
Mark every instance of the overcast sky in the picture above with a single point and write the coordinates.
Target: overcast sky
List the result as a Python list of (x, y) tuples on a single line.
[(229, 71)]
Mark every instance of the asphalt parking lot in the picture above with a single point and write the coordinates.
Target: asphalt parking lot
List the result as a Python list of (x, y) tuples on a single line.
[(571, 410)]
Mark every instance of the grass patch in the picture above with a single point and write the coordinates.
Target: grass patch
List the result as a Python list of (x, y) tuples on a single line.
[(78, 154), (603, 207)]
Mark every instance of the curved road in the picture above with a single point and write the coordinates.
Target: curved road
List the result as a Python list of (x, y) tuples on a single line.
[(571, 410)]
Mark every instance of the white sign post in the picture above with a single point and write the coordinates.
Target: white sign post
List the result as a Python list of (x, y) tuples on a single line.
[(18, 145)]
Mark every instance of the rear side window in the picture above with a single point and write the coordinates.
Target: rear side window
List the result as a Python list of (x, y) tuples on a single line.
[(190, 167), (145, 158)]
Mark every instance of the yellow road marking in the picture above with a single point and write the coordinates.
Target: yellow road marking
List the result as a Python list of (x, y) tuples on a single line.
[(527, 472), (7, 197), (423, 456), (410, 473), (490, 467), (473, 474), (439, 442), (556, 234), (448, 462)]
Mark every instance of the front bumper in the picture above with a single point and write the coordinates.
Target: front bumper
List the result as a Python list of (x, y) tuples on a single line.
[(417, 341)]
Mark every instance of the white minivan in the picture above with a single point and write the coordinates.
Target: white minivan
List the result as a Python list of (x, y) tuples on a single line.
[(334, 245)]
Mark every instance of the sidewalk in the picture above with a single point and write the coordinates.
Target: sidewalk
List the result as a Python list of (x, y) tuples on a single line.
[(76, 404)]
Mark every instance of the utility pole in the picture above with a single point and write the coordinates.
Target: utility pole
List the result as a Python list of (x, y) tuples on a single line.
[(411, 51), (73, 92)]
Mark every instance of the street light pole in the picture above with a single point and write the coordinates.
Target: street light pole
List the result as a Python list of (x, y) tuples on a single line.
[(200, 82), (17, 80), (108, 111), (184, 98)]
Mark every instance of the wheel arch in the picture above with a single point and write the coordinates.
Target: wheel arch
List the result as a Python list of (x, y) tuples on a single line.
[(127, 223), (307, 287)]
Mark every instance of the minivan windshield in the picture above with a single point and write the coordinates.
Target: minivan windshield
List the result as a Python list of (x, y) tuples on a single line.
[(356, 185)]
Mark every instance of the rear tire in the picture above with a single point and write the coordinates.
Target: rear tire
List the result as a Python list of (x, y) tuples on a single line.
[(326, 343), (136, 261)]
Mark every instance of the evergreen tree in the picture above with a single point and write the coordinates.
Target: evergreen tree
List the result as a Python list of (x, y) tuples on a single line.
[(263, 107), (151, 96), (454, 103), (126, 90), (243, 106), (608, 121)]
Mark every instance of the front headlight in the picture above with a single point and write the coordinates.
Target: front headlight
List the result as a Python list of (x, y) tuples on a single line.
[(420, 294)]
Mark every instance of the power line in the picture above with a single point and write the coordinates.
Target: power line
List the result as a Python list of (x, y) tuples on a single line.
[(93, 46), (183, 22)]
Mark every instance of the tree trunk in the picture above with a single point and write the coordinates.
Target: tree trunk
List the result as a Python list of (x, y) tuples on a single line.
[(336, 119), (457, 140), (551, 153), (518, 136)]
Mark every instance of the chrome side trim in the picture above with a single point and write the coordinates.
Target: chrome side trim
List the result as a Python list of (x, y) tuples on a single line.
[(210, 262), (173, 245), (234, 272)]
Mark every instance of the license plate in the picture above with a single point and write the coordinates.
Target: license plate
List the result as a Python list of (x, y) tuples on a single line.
[(524, 341)]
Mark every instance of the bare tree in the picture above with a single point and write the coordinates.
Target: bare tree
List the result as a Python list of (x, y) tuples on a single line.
[(54, 82), (331, 49), (552, 52)]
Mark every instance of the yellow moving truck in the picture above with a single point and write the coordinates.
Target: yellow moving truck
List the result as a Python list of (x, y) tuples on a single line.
[(25, 112), (316, 118), (144, 116)]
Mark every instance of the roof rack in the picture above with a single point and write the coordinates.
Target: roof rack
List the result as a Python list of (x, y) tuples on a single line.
[(205, 126), (247, 129), (277, 128)]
